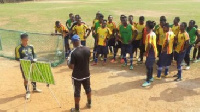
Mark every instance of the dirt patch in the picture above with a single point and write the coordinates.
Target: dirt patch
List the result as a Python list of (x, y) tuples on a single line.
[(145, 13), (114, 89)]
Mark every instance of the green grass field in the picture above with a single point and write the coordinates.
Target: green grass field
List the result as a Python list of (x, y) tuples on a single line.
[(40, 16)]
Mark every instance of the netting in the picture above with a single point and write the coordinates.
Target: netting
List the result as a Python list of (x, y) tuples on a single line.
[(48, 48), (41, 72)]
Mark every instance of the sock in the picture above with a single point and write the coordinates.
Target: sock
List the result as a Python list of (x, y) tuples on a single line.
[(104, 59), (114, 56), (166, 70), (94, 55), (77, 106), (89, 101), (179, 71), (125, 60), (159, 72), (34, 85), (26, 88), (131, 61), (96, 59)]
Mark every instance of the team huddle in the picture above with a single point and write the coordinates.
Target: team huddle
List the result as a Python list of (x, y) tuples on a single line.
[(164, 42)]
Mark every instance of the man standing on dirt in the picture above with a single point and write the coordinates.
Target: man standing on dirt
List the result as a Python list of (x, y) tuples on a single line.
[(25, 51), (78, 60)]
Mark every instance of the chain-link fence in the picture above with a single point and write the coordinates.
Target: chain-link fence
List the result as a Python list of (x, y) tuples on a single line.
[(48, 48)]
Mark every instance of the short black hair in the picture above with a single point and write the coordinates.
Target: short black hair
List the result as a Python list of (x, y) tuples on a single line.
[(178, 19), (163, 18), (57, 22), (77, 15), (121, 16), (130, 16), (104, 20), (151, 24), (23, 36), (193, 21), (110, 16), (185, 24), (166, 25), (101, 16), (70, 14), (141, 18)]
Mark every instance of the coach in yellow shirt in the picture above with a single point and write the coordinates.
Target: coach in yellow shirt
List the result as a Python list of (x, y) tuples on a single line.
[(103, 33), (82, 30)]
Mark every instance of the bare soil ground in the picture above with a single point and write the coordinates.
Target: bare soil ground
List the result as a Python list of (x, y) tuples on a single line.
[(114, 89)]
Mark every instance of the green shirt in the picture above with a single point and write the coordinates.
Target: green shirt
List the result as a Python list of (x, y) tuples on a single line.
[(97, 25), (69, 22), (126, 33), (192, 34)]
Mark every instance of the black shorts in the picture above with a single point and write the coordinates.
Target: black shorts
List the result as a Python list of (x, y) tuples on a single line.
[(77, 86), (136, 44), (111, 42), (102, 49), (118, 44)]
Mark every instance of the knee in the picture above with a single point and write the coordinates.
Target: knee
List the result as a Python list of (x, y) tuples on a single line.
[(77, 93)]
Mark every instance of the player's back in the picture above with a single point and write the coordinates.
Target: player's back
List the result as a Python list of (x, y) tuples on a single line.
[(81, 56)]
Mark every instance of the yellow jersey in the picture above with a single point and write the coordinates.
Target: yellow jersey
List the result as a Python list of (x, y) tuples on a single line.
[(103, 34), (151, 39), (175, 29), (182, 37), (160, 33), (80, 30), (62, 29), (139, 29), (169, 37), (111, 25)]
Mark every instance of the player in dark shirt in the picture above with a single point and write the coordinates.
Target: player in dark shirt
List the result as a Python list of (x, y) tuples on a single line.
[(25, 51), (78, 60)]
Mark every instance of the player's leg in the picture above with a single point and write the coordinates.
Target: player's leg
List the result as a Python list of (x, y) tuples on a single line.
[(86, 86), (77, 90), (67, 48), (130, 49), (94, 50), (123, 50), (105, 53), (187, 57), (115, 47), (180, 57), (98, 50), (26, 86)]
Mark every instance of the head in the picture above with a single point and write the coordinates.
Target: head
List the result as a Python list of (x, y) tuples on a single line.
[(75, 40), (130, 18), (110, 18), (79, 21), (58, 24), (191, 23), (104, 23), (150, 25), (70, 15), (183, 26), (141, 19), (124, 21), (162, 22), (97, 14), (122, 17), (101, 18), (24, 39), (166, 27), (76, 17), (176, 20)]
